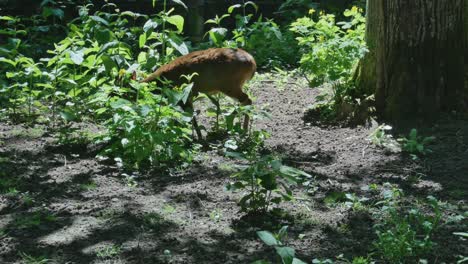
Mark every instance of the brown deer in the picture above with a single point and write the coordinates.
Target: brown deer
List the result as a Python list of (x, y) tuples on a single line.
[(218, 70)]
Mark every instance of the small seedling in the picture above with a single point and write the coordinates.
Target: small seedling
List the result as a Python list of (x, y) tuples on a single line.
[(109, 251), (88, 186), (168, 209), (287, 254), (381, 137), (266, 181), (153, 221), (415, 144), (216, 215)]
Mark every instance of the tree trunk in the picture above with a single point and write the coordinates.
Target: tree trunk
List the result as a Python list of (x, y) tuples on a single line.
[(416, 63)]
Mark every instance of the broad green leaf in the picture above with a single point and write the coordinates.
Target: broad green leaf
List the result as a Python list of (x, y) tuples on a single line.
[(182, 48), (177, 21), (100, 20), (119, 103), (186, 93), (298, 261), (77, 57), (290, 171), (103, 36), (150, 24), (286, 254), (68, 115), (142, 40), (217, 35), (109, 63), (142, 57), (268, 238), (107, 46), (57, 12)]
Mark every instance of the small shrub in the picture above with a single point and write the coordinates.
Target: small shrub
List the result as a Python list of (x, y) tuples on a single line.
[(287, 254), (415, 144), (108, 252), (266, 181), (404, 235), (382, 138), (330, 49)]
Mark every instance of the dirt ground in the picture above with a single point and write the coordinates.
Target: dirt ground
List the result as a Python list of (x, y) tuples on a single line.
[(73, 208)]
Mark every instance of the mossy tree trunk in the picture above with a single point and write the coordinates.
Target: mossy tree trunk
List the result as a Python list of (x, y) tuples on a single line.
[(416, 60)]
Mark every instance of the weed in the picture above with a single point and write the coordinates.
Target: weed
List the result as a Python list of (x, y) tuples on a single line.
[(404, 235), (415, 144), (276, 240), (216, 215), (109, 251), (266, 181), (153, 221), (382, 138), (168, 209), (88, 186), (29, 259)]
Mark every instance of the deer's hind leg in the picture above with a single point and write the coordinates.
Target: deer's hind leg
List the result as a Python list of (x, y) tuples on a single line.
[(189, 105)]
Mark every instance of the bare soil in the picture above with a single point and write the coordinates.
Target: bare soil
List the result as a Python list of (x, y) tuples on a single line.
[(72, 208)]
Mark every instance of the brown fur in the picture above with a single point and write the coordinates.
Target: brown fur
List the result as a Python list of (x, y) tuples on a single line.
[(219, 70)]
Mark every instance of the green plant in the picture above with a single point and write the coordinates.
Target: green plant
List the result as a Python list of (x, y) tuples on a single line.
[(109, 251), (29, 259), (216, 215), (330, 49), (271, 45), (287, 254), (34, 220), (88, 186), (153, 220), (266, 181), (415, 144), (381, 137), (404, 235)]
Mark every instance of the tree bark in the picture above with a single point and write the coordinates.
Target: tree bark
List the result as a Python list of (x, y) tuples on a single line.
[(416, 60)]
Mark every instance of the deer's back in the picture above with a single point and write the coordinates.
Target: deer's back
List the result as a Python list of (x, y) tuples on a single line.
[(216, 68)]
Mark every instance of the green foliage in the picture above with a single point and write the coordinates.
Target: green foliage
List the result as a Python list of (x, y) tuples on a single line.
[(330, 49), (263, 38), (266, 180), (34, 220), (381, 137), (30, 259), (271, 45), (108, 252), (149, 132), (405, 235), (90, 75), (415, 144), (287, 254)]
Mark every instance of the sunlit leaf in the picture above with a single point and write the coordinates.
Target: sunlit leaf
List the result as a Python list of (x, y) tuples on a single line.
[(177, 21), (267, 238)]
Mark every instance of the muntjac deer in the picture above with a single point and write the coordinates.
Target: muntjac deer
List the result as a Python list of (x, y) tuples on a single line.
[(222, 70)]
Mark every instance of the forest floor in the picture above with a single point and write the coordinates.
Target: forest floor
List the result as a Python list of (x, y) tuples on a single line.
[(68, 207)]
